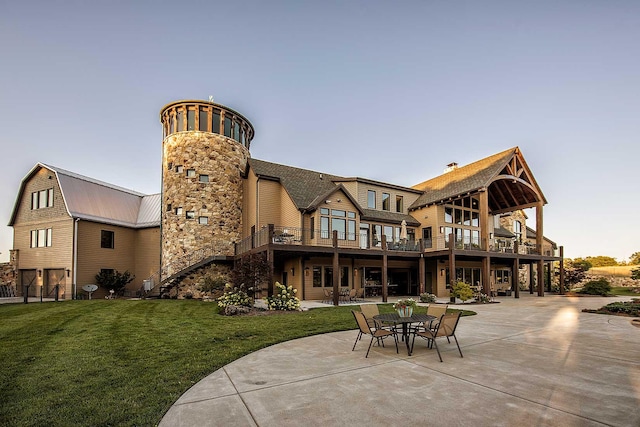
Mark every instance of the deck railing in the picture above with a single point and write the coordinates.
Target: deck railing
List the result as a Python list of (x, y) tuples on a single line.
[(280, 235)]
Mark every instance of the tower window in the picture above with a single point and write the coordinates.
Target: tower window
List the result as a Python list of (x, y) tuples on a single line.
[(204, 178), (178, 211), (191, 215), (227, 127), (204, 119), (169, 207), (180, 121), (179, 169), (191, 173), (191, 119), (215, 122), (204, 220)]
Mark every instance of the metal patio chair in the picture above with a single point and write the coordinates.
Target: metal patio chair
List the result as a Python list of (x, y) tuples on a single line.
[(379, 334)]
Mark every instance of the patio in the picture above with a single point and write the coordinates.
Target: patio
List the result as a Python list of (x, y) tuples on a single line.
[(536, 359)]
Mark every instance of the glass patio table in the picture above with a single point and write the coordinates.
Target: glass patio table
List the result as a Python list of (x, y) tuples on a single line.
[(405, 322)]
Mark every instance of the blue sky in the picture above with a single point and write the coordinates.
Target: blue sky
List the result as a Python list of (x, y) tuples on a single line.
[(391, 91)]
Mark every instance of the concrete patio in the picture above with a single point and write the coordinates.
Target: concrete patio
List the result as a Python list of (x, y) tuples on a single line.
[(530, 361)]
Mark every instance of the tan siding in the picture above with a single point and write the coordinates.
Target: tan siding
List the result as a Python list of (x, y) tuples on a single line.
[(41, 180), (428, 217), (92, 258), (268, 203), (147, 255), (352, 188), (290, 215), (249, 204), (58, 256)]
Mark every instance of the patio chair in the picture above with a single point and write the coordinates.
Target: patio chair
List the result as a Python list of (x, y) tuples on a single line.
[(370, 310), (379, 334), (445, 328), (327, 296), (432, 310), (352, 295)]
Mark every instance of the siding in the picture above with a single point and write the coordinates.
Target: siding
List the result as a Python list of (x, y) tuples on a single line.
[(41, 180), (92, 258), (289, 214), (249, 204), (268, 203), (147, 255)]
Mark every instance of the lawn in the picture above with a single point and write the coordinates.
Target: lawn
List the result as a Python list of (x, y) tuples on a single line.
[(119, 362), (624, 291)]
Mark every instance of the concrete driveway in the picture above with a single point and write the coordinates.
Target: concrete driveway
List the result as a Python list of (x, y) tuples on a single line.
[(532, 362)]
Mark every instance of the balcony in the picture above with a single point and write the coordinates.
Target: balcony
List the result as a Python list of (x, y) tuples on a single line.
[(293, 236)]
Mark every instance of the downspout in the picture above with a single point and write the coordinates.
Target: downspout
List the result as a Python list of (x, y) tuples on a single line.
[(75, 257)]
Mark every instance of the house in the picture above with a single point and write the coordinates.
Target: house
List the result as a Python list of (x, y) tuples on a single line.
[(319, 232), (68, 227)]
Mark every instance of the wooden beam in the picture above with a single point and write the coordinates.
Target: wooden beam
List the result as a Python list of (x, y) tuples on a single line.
[(515, 277), (562, 270), (540, 276), (336, 270), (539, 228), (484, 219), (385, 290)]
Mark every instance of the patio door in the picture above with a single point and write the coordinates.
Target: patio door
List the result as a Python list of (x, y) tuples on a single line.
[(364, 236)]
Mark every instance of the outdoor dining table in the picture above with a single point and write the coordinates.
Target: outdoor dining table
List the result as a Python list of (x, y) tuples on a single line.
[(405, 321)]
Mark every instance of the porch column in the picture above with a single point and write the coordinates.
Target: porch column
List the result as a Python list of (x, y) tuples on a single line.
[(515, 281), (385, 290), (484, 219), (271, 272), (540, 278), (336, 270), (421, 273), (486, 275), (452, 261), (531, 278), (539, 228), (561, 270)]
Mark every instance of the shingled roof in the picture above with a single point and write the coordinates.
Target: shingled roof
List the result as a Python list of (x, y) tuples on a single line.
[(463, 180), (303, 185)]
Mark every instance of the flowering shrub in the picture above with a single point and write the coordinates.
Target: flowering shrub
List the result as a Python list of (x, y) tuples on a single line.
[(283, 299), (404, 303), (427, 297), (462, 290), (235, 295), (483, 298)]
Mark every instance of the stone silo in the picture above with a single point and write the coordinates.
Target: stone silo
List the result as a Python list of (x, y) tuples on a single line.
[(204, 154)]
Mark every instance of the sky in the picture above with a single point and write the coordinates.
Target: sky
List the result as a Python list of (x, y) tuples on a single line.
[(390, 91)]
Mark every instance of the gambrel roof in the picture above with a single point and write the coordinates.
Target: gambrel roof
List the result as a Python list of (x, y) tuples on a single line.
[(93, 200)]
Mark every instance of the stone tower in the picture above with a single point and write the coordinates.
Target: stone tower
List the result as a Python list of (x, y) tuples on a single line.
[(204, 154)]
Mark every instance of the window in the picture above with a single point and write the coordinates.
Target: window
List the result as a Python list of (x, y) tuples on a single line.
[(317, 276), (204, 178), (179, 169), (41, 238), (371, 199), (312, 224), (399, 204), (204, 220), (336, 219), (388, 232), (448, 215), (191, 215), (42, 199), (215, 122), (106, 239), (328, 277), (236, 131), (169, 165), (191, 173), (517, 230), (191, 119), (386, 202), (168, 207), (227, 127), (180, 120), (203, 119), (178, 211)]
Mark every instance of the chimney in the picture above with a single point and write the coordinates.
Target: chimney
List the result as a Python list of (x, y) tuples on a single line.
[(451, 167)]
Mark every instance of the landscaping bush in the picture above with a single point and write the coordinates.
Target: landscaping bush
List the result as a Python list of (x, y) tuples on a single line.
[(283, 299), (629, 308), (462, 290), (596, 287), (235, 295), (212, 284), (427, 297)]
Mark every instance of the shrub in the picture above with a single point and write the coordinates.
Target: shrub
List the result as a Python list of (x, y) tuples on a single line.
[(596, 287), (427, 297), (629, 308), (235, 295), (462, 290), (283, 299), (483, 298), (212, 284), (114, 280)]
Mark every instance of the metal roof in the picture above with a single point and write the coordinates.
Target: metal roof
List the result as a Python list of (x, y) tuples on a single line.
[(93, 200)]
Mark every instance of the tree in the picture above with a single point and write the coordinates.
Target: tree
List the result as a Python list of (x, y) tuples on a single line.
[(251, 271), (114, 280), (635, 274), (602, 261), (634, 259), (579, 263)]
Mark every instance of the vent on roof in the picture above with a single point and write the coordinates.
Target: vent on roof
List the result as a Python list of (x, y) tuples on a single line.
[(451, 167)]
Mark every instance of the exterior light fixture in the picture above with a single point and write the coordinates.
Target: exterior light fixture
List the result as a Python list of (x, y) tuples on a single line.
[(68, 272), (442, 271), (39, 273), (306, 271)]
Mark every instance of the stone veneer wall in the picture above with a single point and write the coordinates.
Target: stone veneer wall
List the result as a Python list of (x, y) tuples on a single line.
[(191, 286), (220, 199)]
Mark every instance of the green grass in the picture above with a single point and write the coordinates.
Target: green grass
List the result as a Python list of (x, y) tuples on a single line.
[(624, 291), (105, 363)]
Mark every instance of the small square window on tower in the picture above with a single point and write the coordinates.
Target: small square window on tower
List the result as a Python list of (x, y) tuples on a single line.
[(178, 211), (179, 169), (191, 214), (204, 178), (204, 220), (191, 173)]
